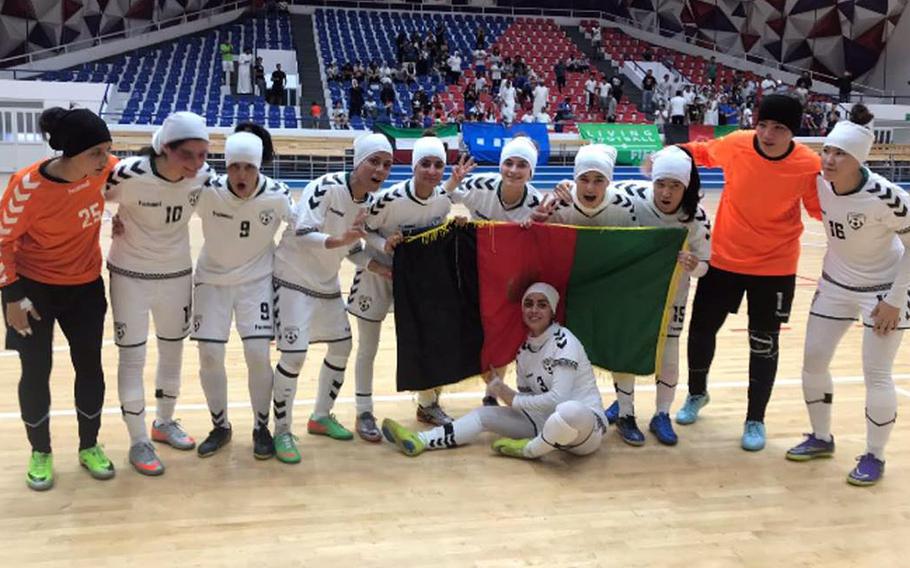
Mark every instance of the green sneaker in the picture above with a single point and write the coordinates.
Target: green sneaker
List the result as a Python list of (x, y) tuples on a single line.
[(40, 476), (328, 426), (97, 464), (286, 448), (408, 442), (512, 448)]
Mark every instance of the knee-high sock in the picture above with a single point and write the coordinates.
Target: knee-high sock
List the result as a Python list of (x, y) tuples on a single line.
[(167, 379), (462, 431), (213, 376), (331, 377), (367, 346), (569, 424), (763, 355), (668, 377), (822, 337), (881, 398), (284, 389), (131, 392), (624, 384), (259, 379)]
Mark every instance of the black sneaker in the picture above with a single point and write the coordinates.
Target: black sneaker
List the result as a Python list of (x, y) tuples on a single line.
[(263, 445), (216, 439), (490, 401)]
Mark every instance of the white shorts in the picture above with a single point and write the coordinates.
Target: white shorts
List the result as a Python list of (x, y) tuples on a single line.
[(370, 297), (132, 299), (303, 318), (249, 304), (227, 66), (837, 302)]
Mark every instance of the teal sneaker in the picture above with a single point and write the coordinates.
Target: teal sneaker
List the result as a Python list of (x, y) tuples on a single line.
[(40, 475), (688, 414), (286, 448), (753, 436), (95, 461)]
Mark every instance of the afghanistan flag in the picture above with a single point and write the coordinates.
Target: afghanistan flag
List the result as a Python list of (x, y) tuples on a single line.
[(458, 295)]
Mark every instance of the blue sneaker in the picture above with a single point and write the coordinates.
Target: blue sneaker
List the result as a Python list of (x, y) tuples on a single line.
[(688, 414), (867, 472), (753, 436), (629, 431), (810, 449), (662, 429), (612, 413)]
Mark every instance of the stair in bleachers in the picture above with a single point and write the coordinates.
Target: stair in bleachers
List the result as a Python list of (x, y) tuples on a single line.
[(308, 67)]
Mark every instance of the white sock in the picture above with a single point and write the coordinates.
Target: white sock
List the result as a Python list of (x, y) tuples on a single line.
[(284, 389), (213, 377), (458, 433), (167, 378), (822, 337), (881, 397), (668, 377), (624, 384), (331, 377), (257, 354), (130, 390), (367, 346)]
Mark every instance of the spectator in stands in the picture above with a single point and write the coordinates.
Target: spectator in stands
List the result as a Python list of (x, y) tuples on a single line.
[(648, 85), (560, 70), (768, 84), (454, 68), (481, 85), (728, 113), (347, 71), (315, 113), (355, 99), (331, 71), (746, 121), (845, 86), (508, 68), (833, 118), (400, 40), (481, 35), (541, 95), (422, 100), (564, 113), (689, 95), (678, 109), (591, 91), (711, 71), (578, 64), (507, 101), (495, 75), (805, 81), (339, 117), (616, 88), (664, 89), (543, 117), (244, 73), (596, 37), (470, 96), (387, 94), (480, 62), (259, 74), (607, 103), (227, 61), (385, 74), (373, 76), (370, 110), (662, 116), (440, 34), (648, 53), (712, 112), (279, 80)]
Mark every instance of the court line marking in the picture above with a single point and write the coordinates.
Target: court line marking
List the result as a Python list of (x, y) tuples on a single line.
[(475, 395)]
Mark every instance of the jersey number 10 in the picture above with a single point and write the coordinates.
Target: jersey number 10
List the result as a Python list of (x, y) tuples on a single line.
[(173, 214)]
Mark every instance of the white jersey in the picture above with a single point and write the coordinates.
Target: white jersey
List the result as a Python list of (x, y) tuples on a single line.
[(239, 233), (616, 210), (867, 231), (398, 209), (155, 242), (482, 195), (699, 228), (326, 209), (554, 368)]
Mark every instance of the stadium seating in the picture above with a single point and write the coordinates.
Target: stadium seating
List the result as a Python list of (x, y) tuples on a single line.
[(186, 75)]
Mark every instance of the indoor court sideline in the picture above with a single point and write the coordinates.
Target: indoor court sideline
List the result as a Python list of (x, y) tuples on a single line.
[(704, 502)]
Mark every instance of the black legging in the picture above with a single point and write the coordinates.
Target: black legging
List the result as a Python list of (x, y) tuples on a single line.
[(80, 311)]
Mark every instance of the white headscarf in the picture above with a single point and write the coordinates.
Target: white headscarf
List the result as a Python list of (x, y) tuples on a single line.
[(243, 147), (672, 163), (366, 146), (428, 146), (595, 158), (548, 291), (521, 147), (179, 126), (854, 139)]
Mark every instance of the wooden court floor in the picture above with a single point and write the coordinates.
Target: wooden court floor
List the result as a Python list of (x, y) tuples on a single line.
[(704, 502)]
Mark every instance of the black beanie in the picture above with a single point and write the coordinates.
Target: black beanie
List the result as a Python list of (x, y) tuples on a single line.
[(783, 109), (75, 131)]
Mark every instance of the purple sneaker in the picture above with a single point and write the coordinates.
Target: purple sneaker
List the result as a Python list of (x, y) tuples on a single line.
[(867, 472), (811, 448)]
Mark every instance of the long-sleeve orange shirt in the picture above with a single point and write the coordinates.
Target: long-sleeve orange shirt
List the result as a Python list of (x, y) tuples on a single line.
[(49, 229), (759, 220)]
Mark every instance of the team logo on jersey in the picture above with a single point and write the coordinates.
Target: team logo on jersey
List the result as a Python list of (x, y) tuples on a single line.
[(856, 220), (119, 330), (194, 197), (291, 334), (266, 217), (547, 365), (197, 322), (364, 302)]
